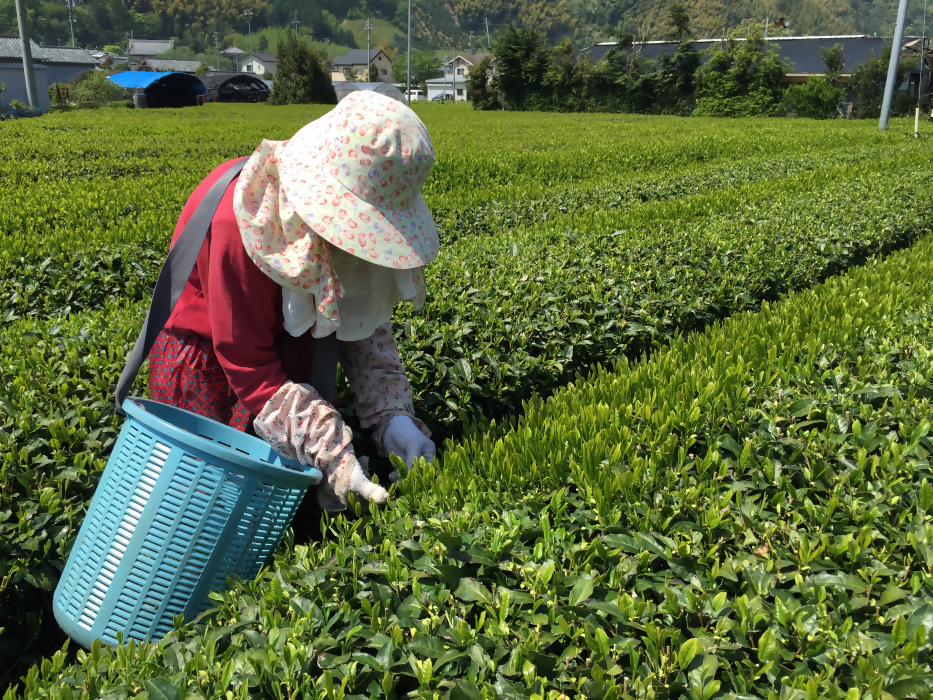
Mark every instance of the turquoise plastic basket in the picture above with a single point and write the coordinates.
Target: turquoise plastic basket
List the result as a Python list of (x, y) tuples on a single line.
[(184, 503)]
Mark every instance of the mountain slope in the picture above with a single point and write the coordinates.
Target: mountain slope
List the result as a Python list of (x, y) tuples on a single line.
[(460, 25)]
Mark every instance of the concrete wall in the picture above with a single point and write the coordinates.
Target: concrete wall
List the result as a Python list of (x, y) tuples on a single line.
[(11, 73)]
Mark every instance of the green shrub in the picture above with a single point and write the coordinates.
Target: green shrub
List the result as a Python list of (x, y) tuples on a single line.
[(818, 98), (742, 514), (551, 262)]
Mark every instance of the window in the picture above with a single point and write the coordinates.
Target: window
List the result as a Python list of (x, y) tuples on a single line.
[(459, 92), (249, 67), (460, 71), (383, 72)]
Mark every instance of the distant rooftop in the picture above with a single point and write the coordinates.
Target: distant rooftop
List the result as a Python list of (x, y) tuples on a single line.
[(10, 49), (167, 65), (354, 57), (149, 47)]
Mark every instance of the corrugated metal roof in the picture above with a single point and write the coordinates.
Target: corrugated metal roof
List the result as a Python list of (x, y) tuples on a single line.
[(168, 65), (149, 47), (355, 57), (264, 57), (64, 54), (802, 51), (10, 48)]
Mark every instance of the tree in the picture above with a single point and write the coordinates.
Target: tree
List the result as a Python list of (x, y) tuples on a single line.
[(867, 86), (741, 80), (834, 59), (482, 86), (263, 43), (95, 87), (819, 97), (680, 22), (302, 75), (523, 59), (374, 76), (424, 66)]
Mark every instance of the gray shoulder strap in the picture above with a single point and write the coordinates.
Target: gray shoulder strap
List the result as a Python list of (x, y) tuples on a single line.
[(173, 277)]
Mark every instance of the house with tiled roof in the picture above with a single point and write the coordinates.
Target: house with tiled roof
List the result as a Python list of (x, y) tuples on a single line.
[(353, 63)]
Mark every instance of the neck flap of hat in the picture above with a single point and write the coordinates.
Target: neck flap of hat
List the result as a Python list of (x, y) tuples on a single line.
[(284, 247)]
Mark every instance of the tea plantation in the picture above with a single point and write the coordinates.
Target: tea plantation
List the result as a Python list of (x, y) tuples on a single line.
[(684, 372)]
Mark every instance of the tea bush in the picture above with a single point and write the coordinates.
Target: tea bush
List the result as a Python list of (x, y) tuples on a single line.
[(743, 514), (568, 241)]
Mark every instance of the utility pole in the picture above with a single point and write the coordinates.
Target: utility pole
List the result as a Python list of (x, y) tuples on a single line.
[(295, 22), (444, 94), (409, 51), (488, 43), (217, 50), (892, 65), (26, 51), (471, 43), (71, 19), (369, 56), (249, 20), (767, 22)]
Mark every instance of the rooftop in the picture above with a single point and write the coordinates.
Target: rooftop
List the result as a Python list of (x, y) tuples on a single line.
[(802, 51), (149, 47), (167, 65), (264, 57), (354, 57), (10, 48)]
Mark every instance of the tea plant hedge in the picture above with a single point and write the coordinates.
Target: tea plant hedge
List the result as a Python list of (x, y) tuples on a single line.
[(586, 239), (744, 514)]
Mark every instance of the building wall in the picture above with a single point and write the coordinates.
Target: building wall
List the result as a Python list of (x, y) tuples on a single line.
[(65, 73), (437, 88), (382, 63), (11, 73), (257, 67)]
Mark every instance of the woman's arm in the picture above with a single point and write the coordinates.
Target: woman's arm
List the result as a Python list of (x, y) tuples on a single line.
[(380, 385)]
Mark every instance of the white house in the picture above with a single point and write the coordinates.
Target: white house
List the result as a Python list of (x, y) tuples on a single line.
[(353, 63), (456, 72), (455, 86), (258, 64)]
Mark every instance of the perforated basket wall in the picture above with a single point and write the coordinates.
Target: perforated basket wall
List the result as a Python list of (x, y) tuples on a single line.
[(184, 503)]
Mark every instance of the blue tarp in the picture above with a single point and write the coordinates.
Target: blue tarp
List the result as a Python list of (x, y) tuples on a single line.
[(138, 78)]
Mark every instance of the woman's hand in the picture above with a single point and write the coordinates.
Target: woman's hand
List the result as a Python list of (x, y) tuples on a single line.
[(403, 438), (349, 477)]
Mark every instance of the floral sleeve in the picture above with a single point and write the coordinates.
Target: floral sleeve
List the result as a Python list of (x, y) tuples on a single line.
[(377, 377), (299, 424)]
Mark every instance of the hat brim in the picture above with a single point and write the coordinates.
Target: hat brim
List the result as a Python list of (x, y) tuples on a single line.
[(398, 238)]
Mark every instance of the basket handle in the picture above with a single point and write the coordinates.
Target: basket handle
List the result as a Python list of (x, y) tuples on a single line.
[(173, 278)]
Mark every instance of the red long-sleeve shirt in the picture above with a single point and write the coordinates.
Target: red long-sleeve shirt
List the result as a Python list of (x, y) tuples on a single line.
[(231, 302)]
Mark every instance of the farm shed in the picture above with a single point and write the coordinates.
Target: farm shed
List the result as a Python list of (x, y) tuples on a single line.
[(224, 86), (802, 51), (52, 64), (163, 89), (344, 88)]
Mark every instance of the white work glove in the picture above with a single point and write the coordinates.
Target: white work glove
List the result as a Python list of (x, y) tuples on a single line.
[(403, 439), (350, 477)]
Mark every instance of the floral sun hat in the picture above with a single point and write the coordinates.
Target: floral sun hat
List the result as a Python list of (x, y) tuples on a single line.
[(352, 178)]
